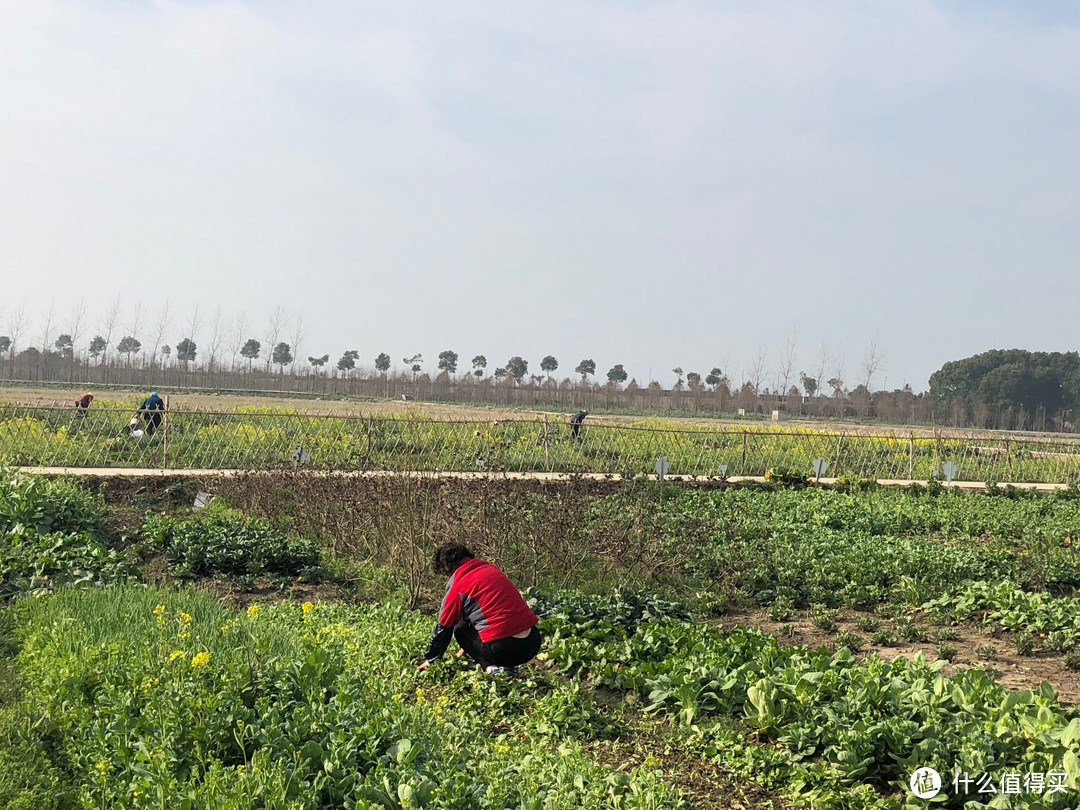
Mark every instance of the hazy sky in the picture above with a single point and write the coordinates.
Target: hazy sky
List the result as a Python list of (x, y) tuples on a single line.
[(646, 183)]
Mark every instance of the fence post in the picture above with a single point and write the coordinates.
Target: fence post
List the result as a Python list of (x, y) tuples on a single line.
[(911, 457), (547, 446), (165, 438), (742, 465), (836, 461), (1008, 457)]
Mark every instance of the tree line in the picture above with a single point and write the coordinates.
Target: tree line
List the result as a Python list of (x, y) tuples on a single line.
[(1004, 389)]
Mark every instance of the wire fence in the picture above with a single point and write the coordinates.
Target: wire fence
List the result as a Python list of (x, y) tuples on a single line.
[(259, 439)]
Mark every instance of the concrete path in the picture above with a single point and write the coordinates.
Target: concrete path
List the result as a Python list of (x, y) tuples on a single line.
[(134, 472)]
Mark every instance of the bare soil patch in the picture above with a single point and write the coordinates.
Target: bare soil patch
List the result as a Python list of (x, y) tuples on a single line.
[(1016, 672)]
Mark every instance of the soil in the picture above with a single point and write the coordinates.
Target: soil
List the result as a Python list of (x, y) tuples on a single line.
[(1016, 672), (704, 785)]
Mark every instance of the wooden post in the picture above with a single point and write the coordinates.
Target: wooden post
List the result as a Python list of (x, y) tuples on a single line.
[(911, 458), (839, 449), (742, 466), (547, 446), (165, 438)]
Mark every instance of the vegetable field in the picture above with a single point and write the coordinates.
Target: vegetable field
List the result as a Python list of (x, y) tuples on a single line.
[(260, 438), (122, 686)]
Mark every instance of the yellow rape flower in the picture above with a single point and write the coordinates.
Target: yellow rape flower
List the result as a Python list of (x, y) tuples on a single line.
[(443, 699), (184, 617), (159, 610), (184, 635), (176, 654), (252, 611), (307, 606), (200, 660), (103, 766)]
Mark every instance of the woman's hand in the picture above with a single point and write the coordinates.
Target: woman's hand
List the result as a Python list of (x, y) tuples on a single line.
[(423, 666)]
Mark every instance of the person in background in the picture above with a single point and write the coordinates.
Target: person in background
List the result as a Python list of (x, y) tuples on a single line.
[(575, 423), (153, 411), (482, 610), (82, 404)]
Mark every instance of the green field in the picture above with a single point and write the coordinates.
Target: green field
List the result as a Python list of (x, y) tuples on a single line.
[(297, 687), (258, 438)]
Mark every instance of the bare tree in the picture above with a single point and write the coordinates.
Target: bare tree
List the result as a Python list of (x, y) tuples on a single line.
[(75, 327), (218, 334), (823, 363), (237, 337), (872, 362), (299, 329), (787, 359), (108, 326), (194, 323), (47, 325), (839, 371), (161, 326), (135, 324), (17, 323), (278, 320), (757, 368)]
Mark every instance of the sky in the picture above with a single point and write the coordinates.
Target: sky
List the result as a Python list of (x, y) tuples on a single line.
[(656, 184)]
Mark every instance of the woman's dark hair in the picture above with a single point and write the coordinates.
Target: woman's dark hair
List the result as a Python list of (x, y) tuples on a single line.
[(448, 557)]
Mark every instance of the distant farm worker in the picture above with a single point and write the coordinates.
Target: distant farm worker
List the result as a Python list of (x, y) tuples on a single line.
[(82, 404), (575, 423), (483, 611), (153, 411)]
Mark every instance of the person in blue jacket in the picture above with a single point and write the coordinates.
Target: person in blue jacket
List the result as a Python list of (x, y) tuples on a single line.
[(153, 411)]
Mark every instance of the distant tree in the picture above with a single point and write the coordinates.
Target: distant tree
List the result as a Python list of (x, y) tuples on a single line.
[(517, 367), (382, 362), (585, 368), (186, 351), (414, 364), (282, 355), (318, 362), (693, 378), (809, 384), (479, 363), (548, 365), (1009, 380), (714, 377), (128, 346), (837, 386), (500, 373), (65, 347), (678, 373), (251, 350), (5, 344), (97, 347), (448, 361), (617, 374), (166, 350), (347, 361)]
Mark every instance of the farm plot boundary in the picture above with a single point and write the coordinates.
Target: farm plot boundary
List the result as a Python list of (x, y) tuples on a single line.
[(254, 438)]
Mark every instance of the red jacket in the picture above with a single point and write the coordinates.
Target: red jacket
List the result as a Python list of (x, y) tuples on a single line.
[(479, 594)]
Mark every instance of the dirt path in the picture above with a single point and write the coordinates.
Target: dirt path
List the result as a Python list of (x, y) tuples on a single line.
[(138, 472)]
